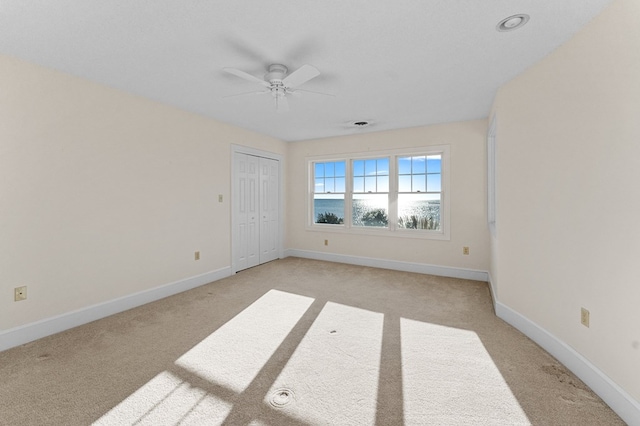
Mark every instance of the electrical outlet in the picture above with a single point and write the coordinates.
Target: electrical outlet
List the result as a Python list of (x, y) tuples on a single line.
[(196, 255), (584, 317), (20, 293), (326, 242), (465, 251)]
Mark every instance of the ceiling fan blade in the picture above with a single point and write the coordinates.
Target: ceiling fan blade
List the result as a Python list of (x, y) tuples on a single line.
[(300, 76), (282, 104), (299, 92), (246, 76), (259, 92)]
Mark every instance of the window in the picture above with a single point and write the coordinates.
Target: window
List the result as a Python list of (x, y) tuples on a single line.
[(400, 193), (370, 193), (328, 192), (419, 191)]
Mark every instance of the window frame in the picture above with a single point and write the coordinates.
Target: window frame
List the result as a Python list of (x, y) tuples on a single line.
[(426, 184), (392, 230), (352, 193), (312, 186), (491, 177)]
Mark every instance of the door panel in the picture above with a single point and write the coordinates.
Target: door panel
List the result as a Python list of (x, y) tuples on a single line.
[(269, 202), (253, 212), (239, 211)]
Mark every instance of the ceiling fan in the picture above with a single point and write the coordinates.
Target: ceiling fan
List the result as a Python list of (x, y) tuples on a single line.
[(278, 83)]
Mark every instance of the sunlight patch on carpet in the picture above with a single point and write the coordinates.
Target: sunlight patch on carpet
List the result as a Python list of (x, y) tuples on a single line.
[(167, 399), (449, 378), (233, 355), (444, 375), (334, 370)]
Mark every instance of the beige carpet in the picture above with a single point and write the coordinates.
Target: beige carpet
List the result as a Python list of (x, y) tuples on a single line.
[(299, 342)]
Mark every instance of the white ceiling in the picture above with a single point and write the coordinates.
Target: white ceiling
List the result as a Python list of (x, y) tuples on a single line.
[(397, 64)]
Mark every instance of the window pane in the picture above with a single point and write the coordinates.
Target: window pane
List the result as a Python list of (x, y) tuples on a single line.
[(418, 165), (419, 184), (370, 167), (383, 183), (329, 169), (340, 169), (404, 183), (328, 209), (434, 164), (358, 168), (329, 185), (404, 165), (370, 210), (370, 184), (434, 183), (383, 166), (419, 211), (358, 184), (319, 185), (340, 185), (319, 170)]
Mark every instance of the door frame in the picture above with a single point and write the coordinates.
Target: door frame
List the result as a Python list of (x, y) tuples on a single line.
[(241, 149)]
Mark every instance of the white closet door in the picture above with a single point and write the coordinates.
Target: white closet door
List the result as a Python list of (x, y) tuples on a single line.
[(255, 210), (246, 214), (269, 202)]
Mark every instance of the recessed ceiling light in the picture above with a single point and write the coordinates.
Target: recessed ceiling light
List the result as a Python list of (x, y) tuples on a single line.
[(512, 22)]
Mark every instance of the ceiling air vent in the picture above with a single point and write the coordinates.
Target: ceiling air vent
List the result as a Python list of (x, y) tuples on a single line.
[(360, 124)]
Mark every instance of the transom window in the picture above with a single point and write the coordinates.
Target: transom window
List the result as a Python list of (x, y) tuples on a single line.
[(401, 193)]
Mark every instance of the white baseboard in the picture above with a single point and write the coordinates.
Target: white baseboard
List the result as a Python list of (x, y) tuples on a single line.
[(492, 290), (619, 400), (46, 327), (421, 268)]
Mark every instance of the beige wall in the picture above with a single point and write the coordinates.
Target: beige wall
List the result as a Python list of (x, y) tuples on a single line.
[(103, 194), (467, 142), (568, 229)]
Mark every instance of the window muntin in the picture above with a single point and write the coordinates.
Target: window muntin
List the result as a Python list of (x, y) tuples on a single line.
[(419, 192), (370, 192), (328, 192)]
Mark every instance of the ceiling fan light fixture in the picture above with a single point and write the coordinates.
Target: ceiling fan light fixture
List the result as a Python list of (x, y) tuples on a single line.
[(512, 22), (276, 73)]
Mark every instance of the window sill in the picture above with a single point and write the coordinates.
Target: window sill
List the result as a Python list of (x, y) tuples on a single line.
[(380, 232)]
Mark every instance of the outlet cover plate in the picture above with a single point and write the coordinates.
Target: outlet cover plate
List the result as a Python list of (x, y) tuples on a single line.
[(584, 317), (20, 293)]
